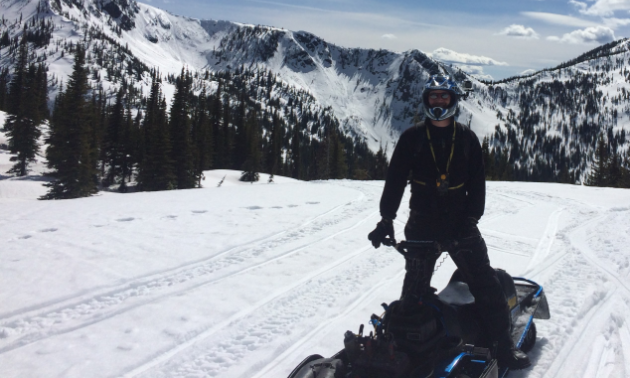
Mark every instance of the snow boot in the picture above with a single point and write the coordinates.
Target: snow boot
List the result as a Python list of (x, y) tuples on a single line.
[(499, 329), (509, 356)]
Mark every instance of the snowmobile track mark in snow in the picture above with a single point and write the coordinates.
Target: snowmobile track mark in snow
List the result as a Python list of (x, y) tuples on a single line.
[(142, 291), (546, 241), (284, 309)]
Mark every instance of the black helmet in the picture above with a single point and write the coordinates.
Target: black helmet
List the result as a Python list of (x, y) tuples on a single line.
[(442, 83)]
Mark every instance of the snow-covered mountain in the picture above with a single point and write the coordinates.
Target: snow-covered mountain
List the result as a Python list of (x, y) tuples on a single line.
[(375, 94), (546, 122)]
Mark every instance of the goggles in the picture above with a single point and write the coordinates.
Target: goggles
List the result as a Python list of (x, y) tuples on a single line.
[(435, 96)]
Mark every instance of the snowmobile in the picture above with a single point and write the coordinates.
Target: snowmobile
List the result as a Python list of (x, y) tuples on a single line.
[(436, 335)]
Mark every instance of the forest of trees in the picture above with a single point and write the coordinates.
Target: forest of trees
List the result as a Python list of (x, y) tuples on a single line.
[(554, 135), (245, 119)]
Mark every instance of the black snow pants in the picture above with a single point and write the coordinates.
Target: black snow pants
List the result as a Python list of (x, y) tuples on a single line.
[(471, 258)]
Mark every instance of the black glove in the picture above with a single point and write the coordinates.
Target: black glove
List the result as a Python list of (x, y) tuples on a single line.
[(384, 228), (470, 229)]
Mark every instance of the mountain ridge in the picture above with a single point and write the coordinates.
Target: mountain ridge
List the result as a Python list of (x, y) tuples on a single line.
[(375, 94)]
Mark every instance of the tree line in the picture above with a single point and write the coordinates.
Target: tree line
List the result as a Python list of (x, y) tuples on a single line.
[(245, 119)]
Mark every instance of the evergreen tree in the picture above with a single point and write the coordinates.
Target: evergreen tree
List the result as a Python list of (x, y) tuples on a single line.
[(379, 171), (614, 171), (296, 146), (113, 146), (488, 159), (155, 170), (624, 181), (227, 140), (180, 127), (128, 142), (274, 154), (339, 168), (241, 136), (599, 169), (324, 155), (202, 137), (4, 75), (22, 123), (71, 152), (253, 156), (40, 93), (216, 116)]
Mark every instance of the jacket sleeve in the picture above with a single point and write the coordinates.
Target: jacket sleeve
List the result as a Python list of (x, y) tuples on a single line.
[(397, 175), (476, 187)]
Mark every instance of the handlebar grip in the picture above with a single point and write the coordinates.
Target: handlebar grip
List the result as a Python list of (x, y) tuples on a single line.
[(389, 242)]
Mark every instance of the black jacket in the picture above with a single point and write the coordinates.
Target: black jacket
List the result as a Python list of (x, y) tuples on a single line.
[(413, 161)]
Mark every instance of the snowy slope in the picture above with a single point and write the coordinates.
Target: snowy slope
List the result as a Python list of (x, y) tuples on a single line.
[(244, 280)]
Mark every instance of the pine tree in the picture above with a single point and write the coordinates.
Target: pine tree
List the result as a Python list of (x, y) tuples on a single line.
[(241, 133), (379, 171), (253, 156), (113, 146), (614, 171), (226, 142), (324, 154), (127, 147), (202, 137), (599, 168), (216, 115), (274, 154), (624, 182), (488, 159), (296, 146), (180, 127), (4, 75), (22, 123), (339, 167), (155, 171), (71, 152)]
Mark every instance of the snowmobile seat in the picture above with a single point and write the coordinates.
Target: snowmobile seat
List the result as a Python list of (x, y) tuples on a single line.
[(456, 293)]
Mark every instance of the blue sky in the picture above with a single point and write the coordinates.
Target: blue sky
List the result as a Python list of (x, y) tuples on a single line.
[(497, 38)]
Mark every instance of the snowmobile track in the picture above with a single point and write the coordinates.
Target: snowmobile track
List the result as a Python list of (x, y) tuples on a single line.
[(104, 305)]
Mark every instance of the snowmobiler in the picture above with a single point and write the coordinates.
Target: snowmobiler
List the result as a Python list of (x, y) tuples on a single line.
[(444, 160), (434, 335)]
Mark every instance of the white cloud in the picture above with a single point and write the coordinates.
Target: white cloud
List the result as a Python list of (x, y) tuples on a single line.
[(388, 36), (519, 31), (559, 19), (604, 8), (475, 71), (614, 23), (527, 72), (596, 34), (450, 56), (581, 6)]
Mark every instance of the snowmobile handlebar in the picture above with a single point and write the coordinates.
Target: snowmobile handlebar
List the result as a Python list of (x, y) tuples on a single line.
[(421, 248)]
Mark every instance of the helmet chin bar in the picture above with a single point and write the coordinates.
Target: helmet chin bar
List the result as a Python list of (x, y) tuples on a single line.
[(439, 114)]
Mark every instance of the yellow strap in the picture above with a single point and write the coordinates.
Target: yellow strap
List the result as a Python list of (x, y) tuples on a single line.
[(452, 188), (448, 164)]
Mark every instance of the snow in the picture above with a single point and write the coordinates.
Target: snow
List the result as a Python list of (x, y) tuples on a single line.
[(244, 280)]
